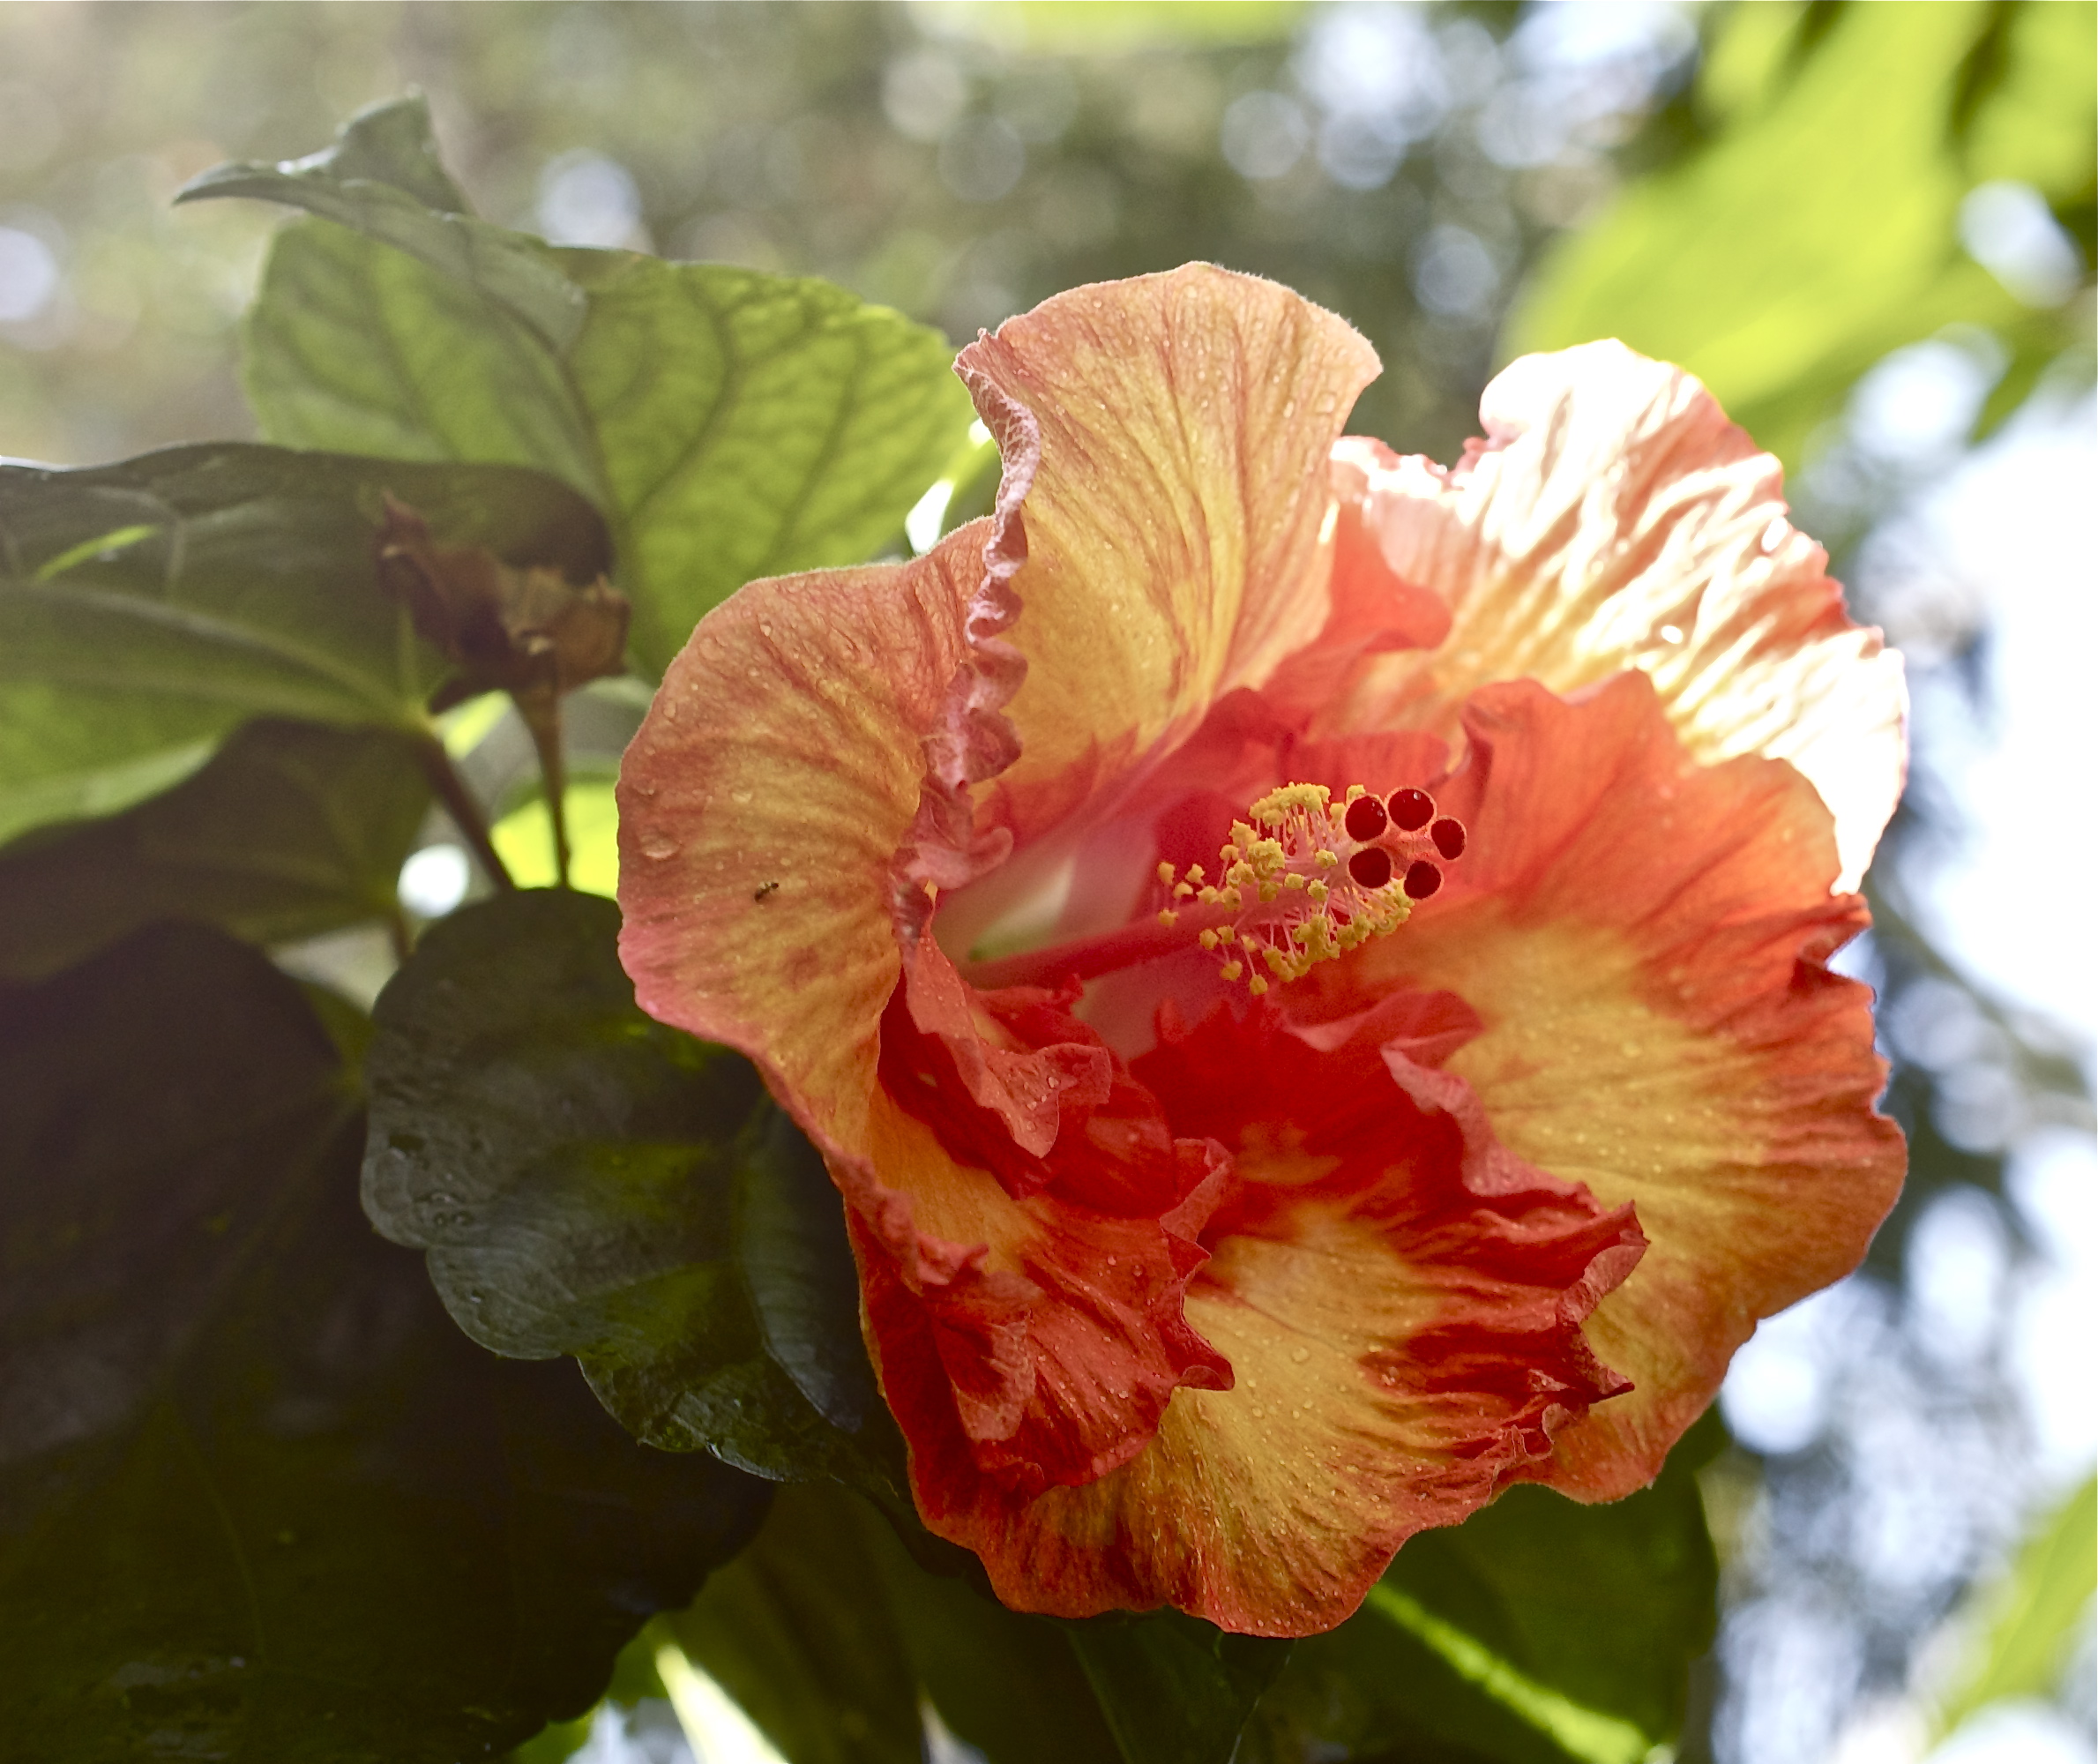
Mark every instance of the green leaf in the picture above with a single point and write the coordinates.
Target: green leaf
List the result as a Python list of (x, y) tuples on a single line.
[(290, 830), (730, 424), (383, 178), (2028, 1619), (798, 1629), (1818, 231), (259, 1499), (588, 1181), (1537, 1632), (827, 1633), (752, 425), (355, 345), (1176, 1690), (148, 609)]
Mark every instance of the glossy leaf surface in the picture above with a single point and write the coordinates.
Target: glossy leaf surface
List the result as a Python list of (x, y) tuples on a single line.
[(588, 1181)]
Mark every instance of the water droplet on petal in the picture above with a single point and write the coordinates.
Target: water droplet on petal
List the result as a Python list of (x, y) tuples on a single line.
[(658, 845)]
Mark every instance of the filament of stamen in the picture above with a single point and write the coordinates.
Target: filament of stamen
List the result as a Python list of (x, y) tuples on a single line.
[(1304, 879)]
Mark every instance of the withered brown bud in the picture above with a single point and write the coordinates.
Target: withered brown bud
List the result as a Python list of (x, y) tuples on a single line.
[(525, 629)]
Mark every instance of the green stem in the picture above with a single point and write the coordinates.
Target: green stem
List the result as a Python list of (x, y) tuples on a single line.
[(542, 717), (466, 812)]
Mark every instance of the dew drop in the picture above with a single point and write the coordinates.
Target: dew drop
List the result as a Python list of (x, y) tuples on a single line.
[(657, 846), (1300, 1354)]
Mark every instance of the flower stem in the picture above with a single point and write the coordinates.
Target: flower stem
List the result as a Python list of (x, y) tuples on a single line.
[(466, 812)]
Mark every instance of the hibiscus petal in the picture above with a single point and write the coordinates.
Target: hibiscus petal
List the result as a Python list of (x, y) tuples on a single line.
[(1643, 938), (1029, 1298), (763, 807), (1176, 429), (1614, 519), (1400, 1299)]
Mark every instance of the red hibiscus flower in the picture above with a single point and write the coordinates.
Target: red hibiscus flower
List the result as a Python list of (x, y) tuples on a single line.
[(1307, 967)]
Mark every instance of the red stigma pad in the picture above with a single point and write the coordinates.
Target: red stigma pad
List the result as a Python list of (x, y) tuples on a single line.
[(1365, 821), (1448, 835), (1422, 880), (1411, 810), (1371, 866)]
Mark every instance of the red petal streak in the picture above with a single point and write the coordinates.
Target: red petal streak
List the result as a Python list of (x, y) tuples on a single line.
[(1643, 935), (1061, 1372), (1403, 1299)]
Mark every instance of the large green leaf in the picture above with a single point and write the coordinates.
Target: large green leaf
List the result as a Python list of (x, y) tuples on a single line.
[(383, 177), (730, 424), (588, 1181), (290, 830), (1174, 1689), (2025, 1621), (828, 1634), (1819, 230), (148, 609), (259, 1500), (800, 1631), (1536, 1633)]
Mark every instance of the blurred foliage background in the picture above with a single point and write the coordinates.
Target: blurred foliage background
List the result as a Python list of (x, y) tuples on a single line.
[(1869, 227)]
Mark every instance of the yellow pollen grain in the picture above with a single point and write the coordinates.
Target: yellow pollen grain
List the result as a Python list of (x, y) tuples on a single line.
[(1168, 919), (1165, 874), (1277, 908)]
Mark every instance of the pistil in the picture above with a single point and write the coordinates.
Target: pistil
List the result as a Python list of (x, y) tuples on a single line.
[(1306, 879)]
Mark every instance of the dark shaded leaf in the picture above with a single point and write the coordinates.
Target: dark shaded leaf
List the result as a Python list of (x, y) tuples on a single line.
[(289, 830), (731, 424), (1176, 1690), (798, 1629), (148, 609), (1538, 1631), (828, 1634), (588, 1181), (258, 1498)]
